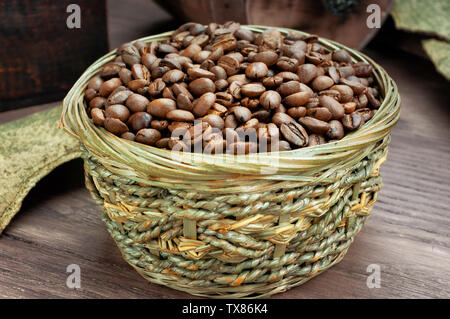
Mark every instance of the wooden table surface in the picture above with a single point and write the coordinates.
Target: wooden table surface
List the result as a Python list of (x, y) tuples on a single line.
[(408, 234)]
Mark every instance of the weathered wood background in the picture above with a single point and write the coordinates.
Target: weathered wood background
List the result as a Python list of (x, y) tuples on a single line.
[(408, 234)]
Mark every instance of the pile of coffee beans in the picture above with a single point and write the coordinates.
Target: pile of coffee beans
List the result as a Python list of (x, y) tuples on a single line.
[(226, 89)]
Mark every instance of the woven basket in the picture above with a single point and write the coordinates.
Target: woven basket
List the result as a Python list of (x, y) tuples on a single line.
[(233, 226)]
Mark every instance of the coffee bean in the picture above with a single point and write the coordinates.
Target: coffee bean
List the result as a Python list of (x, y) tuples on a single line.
[(352, 121), (270, 100), (230, 121), (140, 71), (269, 58), (256, 70), (315, 139), (115, 126), (201, 86), (98, 116), (289, 88), (281, 118), (272, 81), (180, 115), (314, 125), (307, 72), (128, 136), (335, 130), (163, 142), (252, 89), (366, 113), (362, 69), (229, 64), (297, 112), (242, 114), (139, 120), (320, 113), (137, 103), (95, 83), (160, 107), (294, 133), (117, 111), (159, 124), (119, 97), (136, 85), (296, 99), (97, 102), (322, 82), (148, 136), (341, 56), (107, 87), (356, 86), (195, 73), (204, 103), (90, 94), (336, 108), (214, 120)]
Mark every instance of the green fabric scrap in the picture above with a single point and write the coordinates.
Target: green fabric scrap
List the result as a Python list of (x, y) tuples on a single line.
[(30, 148), (423, 16), (439, 53)]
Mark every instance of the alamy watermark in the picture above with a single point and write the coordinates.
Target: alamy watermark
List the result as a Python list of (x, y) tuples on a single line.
[(374, 19), (374, 279), (73, 20), (74, 279)]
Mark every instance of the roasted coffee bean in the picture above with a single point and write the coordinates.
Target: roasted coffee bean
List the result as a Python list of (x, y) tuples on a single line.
[(136, 85), (156, 87), (201, 56), (140, 71), (195, 73), (148, 136), (117, 111), (362, 69), (341, 56), (350, 107), (173, 76), (294, 133), (287, 64), (366, 113), (180, 115), (356, 86), (128, 136), (282, 146), (90, 94), (137, 103), (335, 130), (119, 97), (296, 99), (272, 81), (107, 87), (229, 64), (314, 125), (125, 75), (297, 112), (352, 121), (139, 120), (230, 121), (289, 88), (316, 139), (214, 120), (281, 118), (242, 114), (307, 72), (201, 86), (168, 93), (98, 116), (336, 108), (322, 82), (244, 34), (221, 85), (270, 100), (160, 107), (256, 70), (269, 58), (253, 89), (97, 102), (115, 126), (345, 92), (320, 113), (130, 55), (159, 124), (95, 83), (163, 142), (288, 76), (184, 103), (202, 105)]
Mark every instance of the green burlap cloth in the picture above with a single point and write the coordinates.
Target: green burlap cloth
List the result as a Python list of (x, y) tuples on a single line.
[(432, 18), (30, 148)]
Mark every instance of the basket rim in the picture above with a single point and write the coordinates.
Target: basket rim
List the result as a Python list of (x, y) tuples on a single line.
[(118, 152)]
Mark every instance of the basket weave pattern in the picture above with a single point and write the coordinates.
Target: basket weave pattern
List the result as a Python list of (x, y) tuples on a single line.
[(228, 226)]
